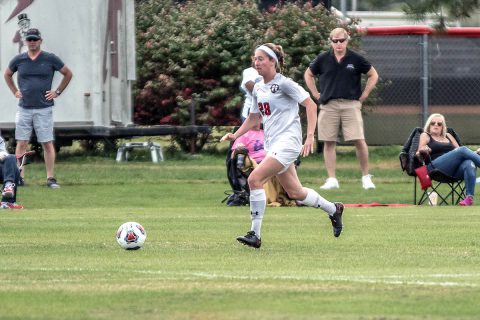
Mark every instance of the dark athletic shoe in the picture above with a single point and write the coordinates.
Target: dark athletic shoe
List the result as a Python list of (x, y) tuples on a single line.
[(250, 239), (52, 183), (337, 219), (9, 191)]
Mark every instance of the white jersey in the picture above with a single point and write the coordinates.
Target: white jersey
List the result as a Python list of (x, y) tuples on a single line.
[(277, 101), (249, 74)]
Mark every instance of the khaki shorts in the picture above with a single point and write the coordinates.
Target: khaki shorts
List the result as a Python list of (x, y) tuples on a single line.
[(343, 113)]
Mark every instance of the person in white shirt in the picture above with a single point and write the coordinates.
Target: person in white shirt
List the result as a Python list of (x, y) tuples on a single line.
[(275, 102), (249, 77)]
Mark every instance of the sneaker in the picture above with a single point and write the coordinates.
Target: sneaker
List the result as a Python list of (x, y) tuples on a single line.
[(250, 239), (52, 183), (367, 182), (10, 205), (8, 191), (336, 219), (468, 201), (477, 180), (21, 182), (331, 183)]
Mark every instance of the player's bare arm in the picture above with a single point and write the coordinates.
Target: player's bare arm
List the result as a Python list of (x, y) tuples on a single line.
[(311, 124), (252, 120)]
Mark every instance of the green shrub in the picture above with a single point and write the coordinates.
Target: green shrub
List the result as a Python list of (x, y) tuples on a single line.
[(198, 50)]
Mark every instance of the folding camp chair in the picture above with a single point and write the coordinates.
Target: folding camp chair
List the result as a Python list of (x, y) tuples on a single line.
[(449, 190)]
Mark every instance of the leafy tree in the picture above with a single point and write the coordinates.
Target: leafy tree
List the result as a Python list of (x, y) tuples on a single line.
[(443, 10)]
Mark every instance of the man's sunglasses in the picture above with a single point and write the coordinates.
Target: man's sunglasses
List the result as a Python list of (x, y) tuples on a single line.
[(32, 39), (338, 40)]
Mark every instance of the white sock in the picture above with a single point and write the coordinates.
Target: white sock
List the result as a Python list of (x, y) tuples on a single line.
[(315, 200), (258, 202)]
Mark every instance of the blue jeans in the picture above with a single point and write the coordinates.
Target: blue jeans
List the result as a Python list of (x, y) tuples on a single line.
[(9, 172), (460, 163)]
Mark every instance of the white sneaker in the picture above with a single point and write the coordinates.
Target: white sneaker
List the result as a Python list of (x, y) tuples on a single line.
[(367, 182), (331, 183), (478, 180)]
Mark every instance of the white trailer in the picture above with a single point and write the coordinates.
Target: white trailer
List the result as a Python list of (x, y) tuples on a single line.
[(95, 39)]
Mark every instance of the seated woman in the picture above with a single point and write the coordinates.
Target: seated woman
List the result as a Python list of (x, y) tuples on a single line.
[(442, 152), (9, 174), (244, 154)]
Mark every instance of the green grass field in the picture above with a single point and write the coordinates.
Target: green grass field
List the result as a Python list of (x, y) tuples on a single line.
[(60, 259)]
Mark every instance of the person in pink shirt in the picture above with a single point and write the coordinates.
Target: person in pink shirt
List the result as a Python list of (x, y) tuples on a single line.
[(252, 140)]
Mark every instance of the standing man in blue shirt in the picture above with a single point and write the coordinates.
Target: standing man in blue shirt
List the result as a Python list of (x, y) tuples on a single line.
[(35, 70), (341, 96)]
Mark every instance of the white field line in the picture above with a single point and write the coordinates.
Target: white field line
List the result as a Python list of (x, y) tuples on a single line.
[(469, 279)]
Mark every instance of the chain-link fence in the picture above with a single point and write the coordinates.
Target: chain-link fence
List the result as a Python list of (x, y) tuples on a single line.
[(423, 74)]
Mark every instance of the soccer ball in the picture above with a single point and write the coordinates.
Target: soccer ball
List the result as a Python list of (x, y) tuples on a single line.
[(131, 236)]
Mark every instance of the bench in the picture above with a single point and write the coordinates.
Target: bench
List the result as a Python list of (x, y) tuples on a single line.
[(123, 152)]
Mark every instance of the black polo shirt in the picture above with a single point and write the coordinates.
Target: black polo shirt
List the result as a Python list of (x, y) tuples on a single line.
[(339, 80)]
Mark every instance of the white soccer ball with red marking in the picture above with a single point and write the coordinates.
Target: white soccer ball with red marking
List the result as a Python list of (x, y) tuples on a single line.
[(131, 235)]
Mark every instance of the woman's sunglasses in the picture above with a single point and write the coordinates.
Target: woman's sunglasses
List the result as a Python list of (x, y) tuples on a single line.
[(338, 40), (433, 123)]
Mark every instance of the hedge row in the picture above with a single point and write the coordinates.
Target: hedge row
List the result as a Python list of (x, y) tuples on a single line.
[(191, 55)]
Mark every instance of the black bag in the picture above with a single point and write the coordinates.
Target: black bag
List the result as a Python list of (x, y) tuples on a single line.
[(237, 198)]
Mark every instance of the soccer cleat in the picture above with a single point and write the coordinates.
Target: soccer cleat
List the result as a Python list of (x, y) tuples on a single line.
[(331, 183), (10, 205), (52, 183), (8, 191), (367, 182), (468, 201), (336, 219), (250, 239)]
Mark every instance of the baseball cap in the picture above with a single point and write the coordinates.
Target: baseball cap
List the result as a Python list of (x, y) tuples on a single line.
[(33, 34)]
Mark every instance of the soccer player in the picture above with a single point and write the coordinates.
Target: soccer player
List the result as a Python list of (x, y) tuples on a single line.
[(275, 101)]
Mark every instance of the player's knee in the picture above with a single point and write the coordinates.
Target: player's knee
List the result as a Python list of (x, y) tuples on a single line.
[(254, 181)]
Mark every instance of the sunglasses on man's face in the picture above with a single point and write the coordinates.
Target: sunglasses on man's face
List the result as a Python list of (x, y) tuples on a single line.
[(338, 40), (433, 123), (32, 40)]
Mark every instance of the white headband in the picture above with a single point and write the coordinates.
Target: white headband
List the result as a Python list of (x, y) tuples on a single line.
[(268, 51)]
